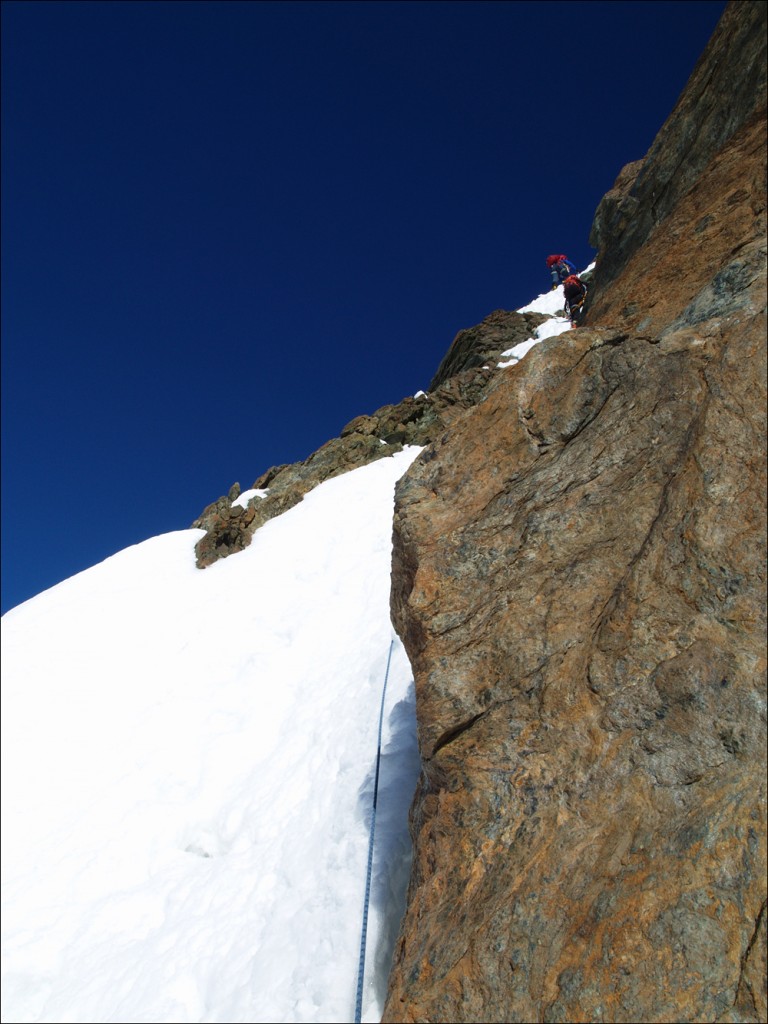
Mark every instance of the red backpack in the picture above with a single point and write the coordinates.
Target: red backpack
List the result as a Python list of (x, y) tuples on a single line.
[(572, 287), (551, 260)]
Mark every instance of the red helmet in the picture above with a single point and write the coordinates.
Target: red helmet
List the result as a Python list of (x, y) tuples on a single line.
[(554, 259)]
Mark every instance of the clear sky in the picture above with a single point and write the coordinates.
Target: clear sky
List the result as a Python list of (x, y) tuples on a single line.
[(229, 228)]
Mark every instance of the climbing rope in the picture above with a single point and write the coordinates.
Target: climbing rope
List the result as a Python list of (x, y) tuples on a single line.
[(366, 901)]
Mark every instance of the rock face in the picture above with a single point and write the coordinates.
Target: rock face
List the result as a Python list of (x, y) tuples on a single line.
[(579, 581)]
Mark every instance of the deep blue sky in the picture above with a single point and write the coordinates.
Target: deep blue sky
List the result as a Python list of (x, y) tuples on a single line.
[(229, 228)]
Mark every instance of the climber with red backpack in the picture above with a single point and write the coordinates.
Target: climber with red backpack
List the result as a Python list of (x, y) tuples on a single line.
[(575, 291), (560, 267)]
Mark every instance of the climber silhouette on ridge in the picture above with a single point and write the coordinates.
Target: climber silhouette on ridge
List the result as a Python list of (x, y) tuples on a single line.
[(560, 267)]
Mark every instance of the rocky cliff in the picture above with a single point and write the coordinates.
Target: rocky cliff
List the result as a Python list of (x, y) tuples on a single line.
[(579, 580)]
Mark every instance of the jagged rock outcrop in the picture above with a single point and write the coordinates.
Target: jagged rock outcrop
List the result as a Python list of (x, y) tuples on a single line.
[(476, 346), (459, 383), (579, 581), (719, 97), (617, 207)]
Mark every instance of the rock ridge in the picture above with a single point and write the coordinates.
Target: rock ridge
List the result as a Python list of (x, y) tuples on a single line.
[(460, 382)]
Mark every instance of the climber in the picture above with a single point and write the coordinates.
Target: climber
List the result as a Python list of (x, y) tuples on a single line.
[(575, 292), (560, 267)]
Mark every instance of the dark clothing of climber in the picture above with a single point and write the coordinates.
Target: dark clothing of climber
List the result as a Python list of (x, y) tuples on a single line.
[(575, 291)]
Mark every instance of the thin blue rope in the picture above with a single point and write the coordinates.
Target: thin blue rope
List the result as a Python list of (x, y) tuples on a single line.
[(364, 935)]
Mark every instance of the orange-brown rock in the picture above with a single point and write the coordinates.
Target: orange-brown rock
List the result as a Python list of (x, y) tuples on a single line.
[(579, 580)]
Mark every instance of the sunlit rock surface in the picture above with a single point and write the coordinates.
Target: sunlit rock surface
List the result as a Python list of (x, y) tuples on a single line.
[(579, 580)]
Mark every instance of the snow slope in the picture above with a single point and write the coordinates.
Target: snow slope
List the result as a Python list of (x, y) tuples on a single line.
[(188, 762)]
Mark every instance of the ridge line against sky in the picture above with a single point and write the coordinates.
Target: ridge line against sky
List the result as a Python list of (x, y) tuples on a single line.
[(230, 228)]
